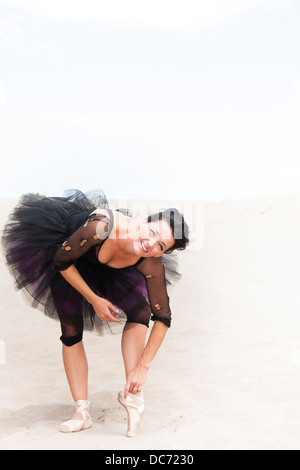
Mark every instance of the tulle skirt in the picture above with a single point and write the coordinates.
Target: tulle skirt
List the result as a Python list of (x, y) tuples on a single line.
[(34, 232)]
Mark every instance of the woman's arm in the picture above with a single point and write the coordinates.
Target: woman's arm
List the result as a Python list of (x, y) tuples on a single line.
[(154, 342), (154, 274), (137, 377), (96, 229), (101, 306), (73, 277)]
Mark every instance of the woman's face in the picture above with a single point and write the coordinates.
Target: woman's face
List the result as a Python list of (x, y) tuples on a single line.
[(152, 238)]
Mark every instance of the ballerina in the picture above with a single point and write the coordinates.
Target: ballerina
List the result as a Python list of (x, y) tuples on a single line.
[(94, 268)]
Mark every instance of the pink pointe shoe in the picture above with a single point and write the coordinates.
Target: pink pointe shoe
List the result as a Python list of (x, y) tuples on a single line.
[(74, 425), (134, 405)]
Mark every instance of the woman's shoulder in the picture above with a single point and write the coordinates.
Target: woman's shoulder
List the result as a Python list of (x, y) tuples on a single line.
[(119, 220), (121, 223), (110, 212)]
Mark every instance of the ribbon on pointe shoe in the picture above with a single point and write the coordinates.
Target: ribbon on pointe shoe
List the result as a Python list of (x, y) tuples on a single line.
[(74, 425)]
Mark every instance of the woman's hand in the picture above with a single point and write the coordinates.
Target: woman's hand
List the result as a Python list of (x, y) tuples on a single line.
[(136, 380), (105, 310)]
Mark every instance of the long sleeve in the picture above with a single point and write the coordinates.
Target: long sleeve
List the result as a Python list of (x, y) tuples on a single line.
[(154, 274), (96, 229)]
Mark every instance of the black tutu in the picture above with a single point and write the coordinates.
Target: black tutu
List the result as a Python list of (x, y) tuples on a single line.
[(35, 231)]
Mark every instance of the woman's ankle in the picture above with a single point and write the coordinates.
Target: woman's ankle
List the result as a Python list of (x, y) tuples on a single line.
[(81, 404)]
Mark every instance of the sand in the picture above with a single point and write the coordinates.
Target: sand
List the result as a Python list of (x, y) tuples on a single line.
[(228, 373)]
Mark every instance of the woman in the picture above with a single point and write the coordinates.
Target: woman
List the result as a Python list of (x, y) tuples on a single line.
[(86, 265)]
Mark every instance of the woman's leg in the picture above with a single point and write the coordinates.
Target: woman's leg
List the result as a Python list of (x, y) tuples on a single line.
[(133, 344), (76, 368), (74, 357)]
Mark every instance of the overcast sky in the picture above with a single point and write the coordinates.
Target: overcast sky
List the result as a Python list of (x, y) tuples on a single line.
[(180, 99)]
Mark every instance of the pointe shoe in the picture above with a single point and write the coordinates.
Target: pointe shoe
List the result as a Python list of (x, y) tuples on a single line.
[(74, 425), (134, 405)]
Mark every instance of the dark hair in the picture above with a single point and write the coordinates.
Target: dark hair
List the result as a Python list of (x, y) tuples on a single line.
[(178, 226)]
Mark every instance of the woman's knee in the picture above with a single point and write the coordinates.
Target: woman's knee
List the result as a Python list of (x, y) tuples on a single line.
[(71, 329), (71, 340), (140, 314), (138, 326)]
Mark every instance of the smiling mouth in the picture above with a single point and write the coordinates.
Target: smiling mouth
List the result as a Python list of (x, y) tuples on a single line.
[(143, 246)]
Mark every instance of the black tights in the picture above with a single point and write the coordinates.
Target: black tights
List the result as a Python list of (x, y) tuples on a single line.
[(71, 328), (72, 325)]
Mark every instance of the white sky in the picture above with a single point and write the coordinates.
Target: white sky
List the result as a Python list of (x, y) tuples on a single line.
[(178, 99)]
